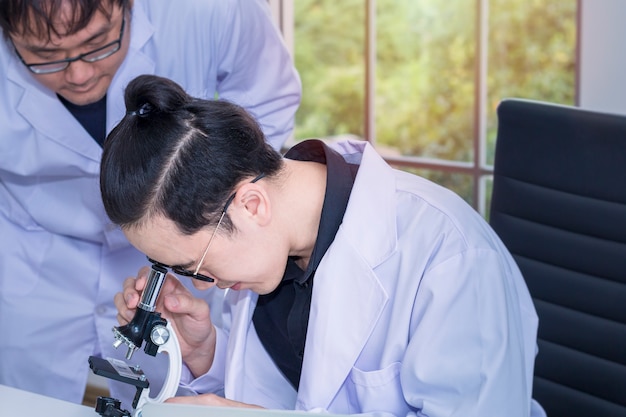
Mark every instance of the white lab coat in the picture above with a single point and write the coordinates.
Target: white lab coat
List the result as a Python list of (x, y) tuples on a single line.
[(417, 309), (61, 262)]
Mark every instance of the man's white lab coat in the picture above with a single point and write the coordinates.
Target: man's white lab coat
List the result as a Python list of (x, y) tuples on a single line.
[(61, 262)]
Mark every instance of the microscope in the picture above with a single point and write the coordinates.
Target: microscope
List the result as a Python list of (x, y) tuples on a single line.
[(146, 326)]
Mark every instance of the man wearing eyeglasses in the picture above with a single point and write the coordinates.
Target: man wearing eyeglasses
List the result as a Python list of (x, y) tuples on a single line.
[(64, 65)]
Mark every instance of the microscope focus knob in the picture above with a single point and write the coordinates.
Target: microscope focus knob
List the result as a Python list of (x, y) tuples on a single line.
[(159, 335)]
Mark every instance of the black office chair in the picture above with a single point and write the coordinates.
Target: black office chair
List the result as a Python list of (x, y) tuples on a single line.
[(559, 205)]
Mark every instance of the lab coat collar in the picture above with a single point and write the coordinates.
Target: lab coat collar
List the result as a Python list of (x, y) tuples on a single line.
[(370, 218)]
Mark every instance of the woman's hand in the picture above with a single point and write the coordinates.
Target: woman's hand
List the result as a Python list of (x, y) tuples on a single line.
[(188, 315), (210, 399)]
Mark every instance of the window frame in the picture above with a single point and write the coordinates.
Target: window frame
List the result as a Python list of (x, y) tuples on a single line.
[(478, 170)]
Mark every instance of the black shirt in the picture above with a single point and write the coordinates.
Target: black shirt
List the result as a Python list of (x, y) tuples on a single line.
[(282, 316), (91, 116)]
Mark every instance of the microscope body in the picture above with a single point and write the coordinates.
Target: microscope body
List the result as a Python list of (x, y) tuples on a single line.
[(146, 326)]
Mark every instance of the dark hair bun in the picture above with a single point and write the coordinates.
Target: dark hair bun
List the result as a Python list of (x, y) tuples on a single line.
[(150, 94)]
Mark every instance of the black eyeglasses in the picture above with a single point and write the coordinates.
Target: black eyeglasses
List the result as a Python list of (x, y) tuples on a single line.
[(195, 274), (91, 56), (181, 271)]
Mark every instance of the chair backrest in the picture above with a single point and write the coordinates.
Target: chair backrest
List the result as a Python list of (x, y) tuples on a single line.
[(559, 205)]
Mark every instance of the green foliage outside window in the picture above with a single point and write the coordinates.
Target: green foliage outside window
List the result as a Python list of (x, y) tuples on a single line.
[(426, 68)]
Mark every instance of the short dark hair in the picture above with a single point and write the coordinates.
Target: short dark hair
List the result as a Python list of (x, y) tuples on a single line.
[(178, 156), (37, 17)]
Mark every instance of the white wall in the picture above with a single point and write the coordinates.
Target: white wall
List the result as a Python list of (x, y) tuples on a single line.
[(602, 76)]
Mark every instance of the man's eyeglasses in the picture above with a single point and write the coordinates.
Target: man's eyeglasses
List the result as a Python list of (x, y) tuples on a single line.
[(195, 274), (91, 56)]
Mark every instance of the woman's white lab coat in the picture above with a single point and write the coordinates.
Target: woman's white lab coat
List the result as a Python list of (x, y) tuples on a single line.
[(61, 261), (417, 309)]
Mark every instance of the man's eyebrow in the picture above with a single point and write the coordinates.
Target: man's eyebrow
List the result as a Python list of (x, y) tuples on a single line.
[(39, 49)]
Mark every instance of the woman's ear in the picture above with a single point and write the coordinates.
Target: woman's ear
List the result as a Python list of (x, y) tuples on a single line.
[(255, 202)]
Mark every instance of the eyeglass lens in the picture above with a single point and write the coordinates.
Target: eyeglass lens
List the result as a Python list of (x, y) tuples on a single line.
[(91, 56)]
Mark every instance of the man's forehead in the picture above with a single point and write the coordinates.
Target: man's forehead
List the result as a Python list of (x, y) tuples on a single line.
[(52, 21)]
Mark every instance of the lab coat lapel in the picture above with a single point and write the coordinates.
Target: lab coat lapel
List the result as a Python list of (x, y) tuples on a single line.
[(348, 298), (42, 109), (347, 302)]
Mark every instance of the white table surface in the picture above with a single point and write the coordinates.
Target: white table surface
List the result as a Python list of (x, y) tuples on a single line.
[(15, 402), (18, 403)]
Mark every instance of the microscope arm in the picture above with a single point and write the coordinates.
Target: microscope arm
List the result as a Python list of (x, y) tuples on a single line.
[(174, 371)]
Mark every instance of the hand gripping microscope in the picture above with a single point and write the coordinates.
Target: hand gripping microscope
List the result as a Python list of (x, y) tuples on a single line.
[(146, 326)]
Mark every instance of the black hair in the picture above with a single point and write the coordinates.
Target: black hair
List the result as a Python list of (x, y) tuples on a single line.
[(38, 18), (178, 156)]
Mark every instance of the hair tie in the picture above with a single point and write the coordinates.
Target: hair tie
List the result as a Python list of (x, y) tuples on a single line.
[(143, 110)]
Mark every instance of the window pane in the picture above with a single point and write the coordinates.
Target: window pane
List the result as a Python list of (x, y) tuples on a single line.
[(329, 54), (425, 77), (532, 54)]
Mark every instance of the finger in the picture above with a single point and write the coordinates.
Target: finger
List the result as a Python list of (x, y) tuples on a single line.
[(124, 313), (172, 284), (129, 296), (186, 303), (143, 271), (204, 399), (122, 320), (210, 399), (141, 279)]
